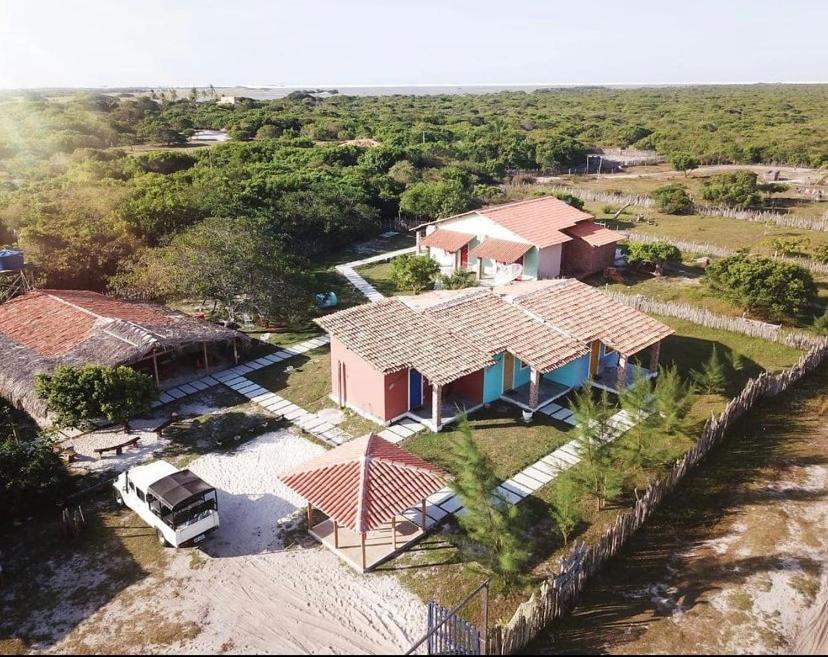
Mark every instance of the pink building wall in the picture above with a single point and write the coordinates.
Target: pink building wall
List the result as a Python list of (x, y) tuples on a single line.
[(364, 388)]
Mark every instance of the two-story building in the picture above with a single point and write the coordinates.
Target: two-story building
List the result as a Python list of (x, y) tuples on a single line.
[(529, 240)]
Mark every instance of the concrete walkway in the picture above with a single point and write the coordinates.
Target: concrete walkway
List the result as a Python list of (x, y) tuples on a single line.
[(348, 270), (531, 478)]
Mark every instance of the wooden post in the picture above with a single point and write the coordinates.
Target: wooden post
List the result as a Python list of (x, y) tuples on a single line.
[(419, 236), (235, 352), (479, 270), (437, 406), (622, 372), (394, 531), (206, 360), (336, 533), (155, 368), (310, 516), (534, 388), (424, 517), (654, 356), (363, 551)]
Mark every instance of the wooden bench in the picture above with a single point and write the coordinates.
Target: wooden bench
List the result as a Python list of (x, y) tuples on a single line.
[(118, 449)]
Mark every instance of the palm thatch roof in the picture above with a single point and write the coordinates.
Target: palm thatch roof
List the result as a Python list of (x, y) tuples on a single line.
[(46, 328)]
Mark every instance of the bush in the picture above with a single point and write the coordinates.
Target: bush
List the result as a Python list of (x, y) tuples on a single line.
[(820, 253), (32, 476), (656, 254), (574, 201), (458, 280), (683, 162), (413, 272), (673, 199), (736, 190), (772, 288), (79, 396)]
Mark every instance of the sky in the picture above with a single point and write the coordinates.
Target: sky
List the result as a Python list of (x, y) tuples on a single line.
[(154, 43)]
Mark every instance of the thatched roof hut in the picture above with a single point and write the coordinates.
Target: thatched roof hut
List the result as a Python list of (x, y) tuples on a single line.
[(46, 328)]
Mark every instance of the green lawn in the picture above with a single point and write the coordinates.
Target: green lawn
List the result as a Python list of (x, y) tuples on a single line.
[(379, 275), (308, 384), (501, 435)]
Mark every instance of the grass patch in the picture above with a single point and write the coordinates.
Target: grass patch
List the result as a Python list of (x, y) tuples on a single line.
[(501, 435), (379, 275), (305, 379)]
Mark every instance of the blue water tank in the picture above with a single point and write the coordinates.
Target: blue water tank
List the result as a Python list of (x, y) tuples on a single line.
[(11, 260)]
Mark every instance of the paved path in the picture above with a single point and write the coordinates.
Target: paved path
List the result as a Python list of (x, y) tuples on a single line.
[(348, 270), (531, 478)]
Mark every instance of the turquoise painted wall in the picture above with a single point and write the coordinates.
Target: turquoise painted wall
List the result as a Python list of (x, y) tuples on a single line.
[(572, 374), (530, 263), (521, 376), (493, 380)]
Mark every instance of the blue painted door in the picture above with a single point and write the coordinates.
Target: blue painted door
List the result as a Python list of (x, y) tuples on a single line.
[(493, 380), (415, 389)]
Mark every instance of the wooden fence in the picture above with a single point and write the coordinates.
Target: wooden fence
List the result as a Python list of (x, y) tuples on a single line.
[(752, 327), (756, 216), (558, 595), (722, 251)]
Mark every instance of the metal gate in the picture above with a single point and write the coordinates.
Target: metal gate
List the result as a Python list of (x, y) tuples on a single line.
[(450, 634)]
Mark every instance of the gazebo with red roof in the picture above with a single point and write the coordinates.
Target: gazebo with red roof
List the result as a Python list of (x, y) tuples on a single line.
[(364, 487)]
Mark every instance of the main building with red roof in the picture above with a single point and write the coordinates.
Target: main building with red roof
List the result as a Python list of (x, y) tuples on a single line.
[(431, 356), (46, 328), (545, 236)]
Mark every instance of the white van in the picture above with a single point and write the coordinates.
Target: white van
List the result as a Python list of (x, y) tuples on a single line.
[(182, 508)]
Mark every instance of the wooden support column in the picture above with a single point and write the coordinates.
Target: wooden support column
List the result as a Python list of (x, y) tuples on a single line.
[(479, 270), (419, 235), (336, 533), (534, 388), (622, 372), (362, 543), (310, 516), (235, 351), (437, 406), (424, 517), (457, 261), (155, 369), (394, 531), (206, 359), (654, 356)]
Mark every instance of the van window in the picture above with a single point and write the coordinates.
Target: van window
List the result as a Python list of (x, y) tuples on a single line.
[(140, 494), (131, 487)]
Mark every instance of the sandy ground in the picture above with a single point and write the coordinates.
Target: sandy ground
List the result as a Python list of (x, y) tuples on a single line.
[(243, 591), (736, 562)]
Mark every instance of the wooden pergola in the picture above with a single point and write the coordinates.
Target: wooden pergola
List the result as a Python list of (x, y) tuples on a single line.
[(362, 487)]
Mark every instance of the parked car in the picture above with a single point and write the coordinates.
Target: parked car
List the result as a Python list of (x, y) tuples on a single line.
[(181, 507)]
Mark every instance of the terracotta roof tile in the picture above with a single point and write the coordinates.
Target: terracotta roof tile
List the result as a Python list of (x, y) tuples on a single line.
[(448, 240), (497, 326), (588, 314), (366, 482), (594, 234), (540, 221), (499, 250), (391, 336)]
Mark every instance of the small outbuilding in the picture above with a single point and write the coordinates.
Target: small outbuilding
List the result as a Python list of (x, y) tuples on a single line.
[(374, 496)]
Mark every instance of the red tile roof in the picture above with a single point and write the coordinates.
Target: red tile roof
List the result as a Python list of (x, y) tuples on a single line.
[(588, 314), (503, 251), (540, 220), (448, 240), (366, 482), (594, 234)]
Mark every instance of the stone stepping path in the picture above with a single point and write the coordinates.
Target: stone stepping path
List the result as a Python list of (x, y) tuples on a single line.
[(533, 477), (232, 373), (348, 270)]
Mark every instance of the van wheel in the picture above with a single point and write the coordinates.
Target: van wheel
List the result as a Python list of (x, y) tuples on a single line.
[(119, 499), (161, 540)]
